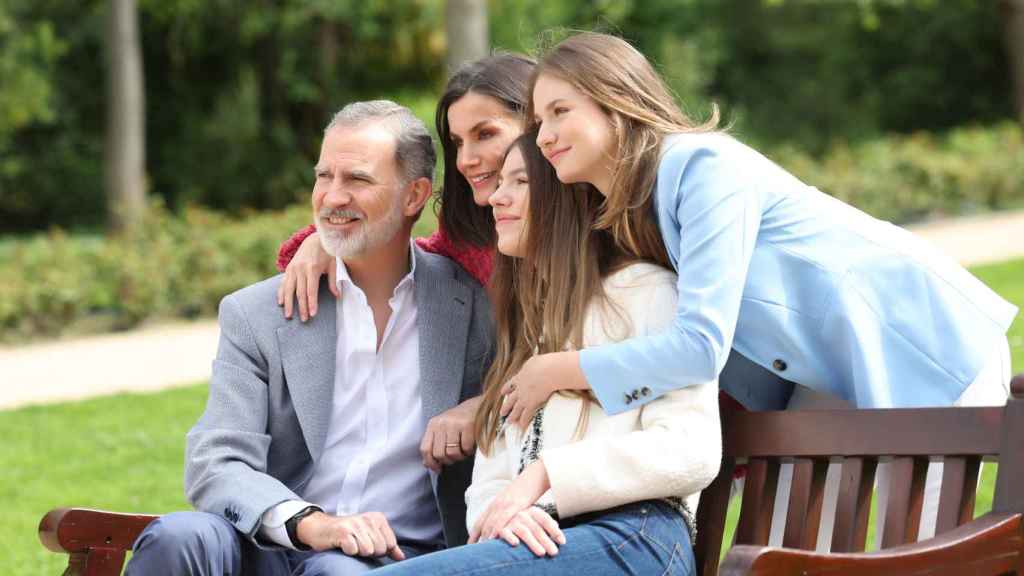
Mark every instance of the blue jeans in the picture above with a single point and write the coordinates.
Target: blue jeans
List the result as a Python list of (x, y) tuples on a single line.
[(642, 538), (201, 544)]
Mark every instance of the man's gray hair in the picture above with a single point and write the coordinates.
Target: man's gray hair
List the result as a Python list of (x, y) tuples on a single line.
[(414, 150)]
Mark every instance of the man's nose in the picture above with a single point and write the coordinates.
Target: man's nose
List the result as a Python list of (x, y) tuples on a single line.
[(337, 195)]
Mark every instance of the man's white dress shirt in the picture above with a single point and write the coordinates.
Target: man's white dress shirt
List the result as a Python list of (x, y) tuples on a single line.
[(371, 460)]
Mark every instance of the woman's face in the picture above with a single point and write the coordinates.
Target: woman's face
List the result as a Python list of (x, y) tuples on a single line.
[(481, 128), (511, 202), (575, 135)]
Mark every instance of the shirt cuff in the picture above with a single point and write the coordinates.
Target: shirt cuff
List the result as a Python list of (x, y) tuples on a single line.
[(272, 526), (603, 383)]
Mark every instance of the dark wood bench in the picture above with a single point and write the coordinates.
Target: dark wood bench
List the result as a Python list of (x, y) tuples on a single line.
[(991, 544)]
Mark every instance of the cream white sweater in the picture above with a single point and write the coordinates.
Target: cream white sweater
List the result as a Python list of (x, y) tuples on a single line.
[(669, 447)]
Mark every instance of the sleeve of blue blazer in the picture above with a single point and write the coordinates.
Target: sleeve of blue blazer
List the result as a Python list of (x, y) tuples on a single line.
[(717, 211)]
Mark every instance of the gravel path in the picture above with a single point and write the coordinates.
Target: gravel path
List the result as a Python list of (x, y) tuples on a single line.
[(159, 357)]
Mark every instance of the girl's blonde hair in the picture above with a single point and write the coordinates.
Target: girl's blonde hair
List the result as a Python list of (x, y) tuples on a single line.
[(641, 110)]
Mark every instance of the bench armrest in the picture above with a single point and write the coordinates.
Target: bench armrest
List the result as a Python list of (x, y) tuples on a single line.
[(992, 544), (76, 530)]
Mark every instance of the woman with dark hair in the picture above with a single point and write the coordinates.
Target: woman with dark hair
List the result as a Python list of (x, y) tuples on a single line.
[(478, 116), (578, 491)]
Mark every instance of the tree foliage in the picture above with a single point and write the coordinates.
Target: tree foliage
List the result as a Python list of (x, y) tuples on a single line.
[(238, 91)]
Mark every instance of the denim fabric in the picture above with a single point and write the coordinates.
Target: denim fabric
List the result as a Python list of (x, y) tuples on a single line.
[(201, 544), (642, 538)]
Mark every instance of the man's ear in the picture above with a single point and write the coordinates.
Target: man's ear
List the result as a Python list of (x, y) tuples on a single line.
[(418, 192)]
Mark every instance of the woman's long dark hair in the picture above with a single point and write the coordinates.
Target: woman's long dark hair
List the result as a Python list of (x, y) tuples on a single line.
[(503, 77)]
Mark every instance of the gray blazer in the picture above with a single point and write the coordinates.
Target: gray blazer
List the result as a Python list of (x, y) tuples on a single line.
[(272, 386)]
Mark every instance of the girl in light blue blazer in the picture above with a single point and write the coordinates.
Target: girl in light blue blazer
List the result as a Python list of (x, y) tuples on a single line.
[(778, 282)]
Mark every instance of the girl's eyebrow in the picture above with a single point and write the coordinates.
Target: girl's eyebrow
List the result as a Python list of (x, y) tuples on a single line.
[(552, 104), (516, 172)]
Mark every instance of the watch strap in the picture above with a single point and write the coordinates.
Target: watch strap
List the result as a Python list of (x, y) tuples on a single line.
[(292, 527)]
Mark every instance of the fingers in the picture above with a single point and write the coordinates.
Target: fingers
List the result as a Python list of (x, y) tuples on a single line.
[(312, 287), (467, 442), (390, 541), (533, 535), (377, 539), (288, 287), (439, 450), (496, 520), (396, 554), (427, 451), (548, 524), (301, 294), (516, 415), (280, 294), (508, 404), (508, 536), (332, 278), (347, 542)]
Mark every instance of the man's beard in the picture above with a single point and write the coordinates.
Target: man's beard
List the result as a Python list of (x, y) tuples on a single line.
[(364, 238)]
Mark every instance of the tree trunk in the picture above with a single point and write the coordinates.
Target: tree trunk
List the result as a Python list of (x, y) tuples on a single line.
[(466, 28), (126, 118), (1013, 30)]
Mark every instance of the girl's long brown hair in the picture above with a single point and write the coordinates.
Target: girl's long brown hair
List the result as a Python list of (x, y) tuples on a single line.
[(642, 112), (541, 299)]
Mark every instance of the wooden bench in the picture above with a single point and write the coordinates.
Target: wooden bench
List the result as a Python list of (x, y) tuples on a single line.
[(991, 544)]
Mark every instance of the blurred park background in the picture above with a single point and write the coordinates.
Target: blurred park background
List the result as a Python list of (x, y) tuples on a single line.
[(154, 154)]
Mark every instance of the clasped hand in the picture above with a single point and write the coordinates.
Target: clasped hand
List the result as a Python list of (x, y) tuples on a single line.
[(512, 516), (366, 534)]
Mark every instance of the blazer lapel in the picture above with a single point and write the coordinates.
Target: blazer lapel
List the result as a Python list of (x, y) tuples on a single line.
[(308, 351), (443, 307)]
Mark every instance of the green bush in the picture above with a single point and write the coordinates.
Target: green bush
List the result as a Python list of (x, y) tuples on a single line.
[(908, 178), (182, 265), (175, 266)]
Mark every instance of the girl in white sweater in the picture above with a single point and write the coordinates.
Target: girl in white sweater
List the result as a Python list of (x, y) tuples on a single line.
[(578, 491)]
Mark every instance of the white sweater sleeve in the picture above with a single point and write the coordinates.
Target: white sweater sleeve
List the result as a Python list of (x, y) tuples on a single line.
[(676, 451)]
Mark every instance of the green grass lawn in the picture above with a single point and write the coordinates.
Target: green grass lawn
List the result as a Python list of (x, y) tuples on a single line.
[(125, 452)]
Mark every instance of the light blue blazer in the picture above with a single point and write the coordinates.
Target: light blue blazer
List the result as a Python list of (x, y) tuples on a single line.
[(801, 287)]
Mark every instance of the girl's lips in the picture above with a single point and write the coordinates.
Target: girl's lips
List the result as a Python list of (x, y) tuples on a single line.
[(557, 154)]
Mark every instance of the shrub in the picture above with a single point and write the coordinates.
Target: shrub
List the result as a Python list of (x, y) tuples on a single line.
[(182, 265), (908, 178)]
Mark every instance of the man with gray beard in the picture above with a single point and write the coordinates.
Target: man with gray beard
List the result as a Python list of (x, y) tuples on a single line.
[(307, 458)]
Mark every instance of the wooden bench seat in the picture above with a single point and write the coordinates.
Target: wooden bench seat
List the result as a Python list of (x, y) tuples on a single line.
[(992, 544)]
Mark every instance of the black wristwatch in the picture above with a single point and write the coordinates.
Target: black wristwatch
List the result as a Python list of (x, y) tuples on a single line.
[(292, 526)]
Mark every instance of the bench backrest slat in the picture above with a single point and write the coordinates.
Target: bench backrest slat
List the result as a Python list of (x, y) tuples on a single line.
[(806, 497), (956, 496), (853, 504), (906, 494), (758, 503)]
